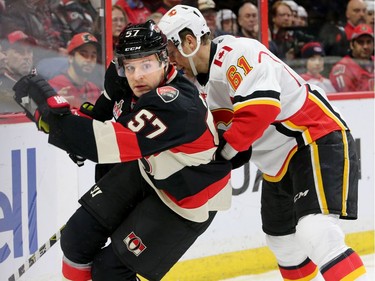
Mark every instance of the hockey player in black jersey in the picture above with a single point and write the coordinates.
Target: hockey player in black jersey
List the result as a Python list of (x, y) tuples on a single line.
[(153, 209)]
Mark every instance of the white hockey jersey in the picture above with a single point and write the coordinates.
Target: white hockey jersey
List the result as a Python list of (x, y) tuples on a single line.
[(275, 110)]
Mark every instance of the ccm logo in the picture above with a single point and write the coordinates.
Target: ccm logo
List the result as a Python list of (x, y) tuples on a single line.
[(132, 49)]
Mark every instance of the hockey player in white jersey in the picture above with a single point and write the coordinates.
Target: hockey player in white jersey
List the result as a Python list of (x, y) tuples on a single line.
[(299, 141)]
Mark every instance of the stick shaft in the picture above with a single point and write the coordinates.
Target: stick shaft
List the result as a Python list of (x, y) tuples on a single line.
[(37, 255)]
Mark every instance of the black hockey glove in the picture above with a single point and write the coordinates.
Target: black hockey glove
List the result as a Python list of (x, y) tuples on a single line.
[(38, 99), (241, 158)]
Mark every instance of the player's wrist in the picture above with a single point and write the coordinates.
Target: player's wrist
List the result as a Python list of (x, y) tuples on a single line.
[(228, 152)]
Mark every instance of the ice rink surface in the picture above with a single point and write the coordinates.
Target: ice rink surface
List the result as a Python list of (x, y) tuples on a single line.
[(275, 275)]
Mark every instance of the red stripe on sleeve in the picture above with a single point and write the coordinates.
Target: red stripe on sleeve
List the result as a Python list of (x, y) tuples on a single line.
[(249, 124), (127, 143)]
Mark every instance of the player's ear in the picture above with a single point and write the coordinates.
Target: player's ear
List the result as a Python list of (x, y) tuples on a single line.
[(190, 41)]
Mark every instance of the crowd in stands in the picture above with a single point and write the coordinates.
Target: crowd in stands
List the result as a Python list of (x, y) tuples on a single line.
[(331, 42)]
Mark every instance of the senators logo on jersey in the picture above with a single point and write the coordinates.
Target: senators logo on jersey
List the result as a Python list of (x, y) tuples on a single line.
[(167, 93)]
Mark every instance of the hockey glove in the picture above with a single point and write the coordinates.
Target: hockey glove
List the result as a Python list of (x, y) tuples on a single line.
[(38, 99), (85, 110), (241, 158)]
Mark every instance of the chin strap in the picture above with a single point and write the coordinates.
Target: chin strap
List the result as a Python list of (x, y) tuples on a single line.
[(192, 65), (190, 56)]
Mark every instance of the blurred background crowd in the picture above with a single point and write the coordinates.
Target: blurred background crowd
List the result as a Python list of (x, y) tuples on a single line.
[(330, 43)]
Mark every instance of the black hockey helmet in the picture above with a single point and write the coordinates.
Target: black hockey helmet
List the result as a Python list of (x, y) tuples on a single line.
[(141, 40)]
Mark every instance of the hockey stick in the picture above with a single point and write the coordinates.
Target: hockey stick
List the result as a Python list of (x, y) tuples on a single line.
[(36, 256)]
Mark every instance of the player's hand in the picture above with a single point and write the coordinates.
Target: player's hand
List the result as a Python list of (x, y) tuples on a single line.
[(38, 99), (237, 160)]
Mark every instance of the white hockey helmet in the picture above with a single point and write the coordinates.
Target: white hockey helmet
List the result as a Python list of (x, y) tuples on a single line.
[(180, 17)]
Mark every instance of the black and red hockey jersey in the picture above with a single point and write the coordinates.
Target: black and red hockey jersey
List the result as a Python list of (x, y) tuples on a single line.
[(172, 134)]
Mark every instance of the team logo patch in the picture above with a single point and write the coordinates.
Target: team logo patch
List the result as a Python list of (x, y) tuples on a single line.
[(117, 109), (134, 244), (339, 69), (219, 58), (167, 93)]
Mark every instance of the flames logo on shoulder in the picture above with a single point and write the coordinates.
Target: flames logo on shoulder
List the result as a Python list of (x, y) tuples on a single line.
[(167, 93)]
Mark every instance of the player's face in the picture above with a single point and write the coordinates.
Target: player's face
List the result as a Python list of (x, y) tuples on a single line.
[(144, 74), (181, 63), (315, 65), (362, 47)]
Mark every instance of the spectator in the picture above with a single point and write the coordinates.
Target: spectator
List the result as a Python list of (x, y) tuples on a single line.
[(302, 16), (73, 18), (155, 16), (226, 21), (370, 15), (294, 7), (313, 52), (281, 19), (332, 35), (2, 6), (136, 11), (20, 54), (355, 15), (248, 21), (16, 60), (89, 9), (74, 85), (208, 10), (34, 18), (7, 104), (355, 71), (166, 5), (119, 21), (248, 25)]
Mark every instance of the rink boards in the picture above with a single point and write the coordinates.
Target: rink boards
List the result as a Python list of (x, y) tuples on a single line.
[(40, 186)]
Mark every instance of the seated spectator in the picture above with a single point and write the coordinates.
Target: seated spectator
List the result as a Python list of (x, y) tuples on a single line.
[(226, 21), (74, 85), (248, 21), (72, 18), (370, 15), (332, 35), (119, 21), (155, 16), (302, 17), (314, 54), (89, 9), (281, 20), (294, 6), (16, 57), (34, 18), (355, 71), (355, 15), (166, 5), (19, 49), (2, 6), (208, 10), (136, 11)]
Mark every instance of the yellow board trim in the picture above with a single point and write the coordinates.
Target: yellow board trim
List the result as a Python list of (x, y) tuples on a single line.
[(247, 262)]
